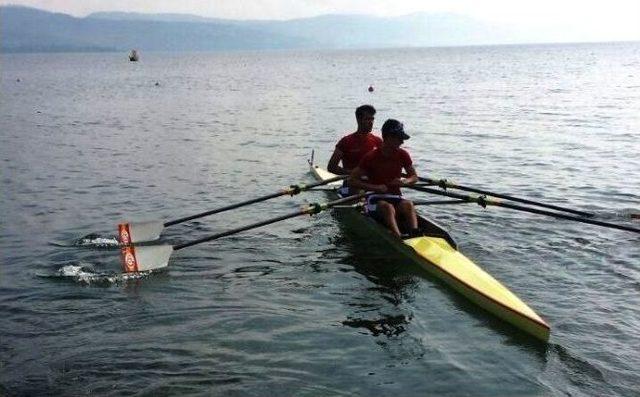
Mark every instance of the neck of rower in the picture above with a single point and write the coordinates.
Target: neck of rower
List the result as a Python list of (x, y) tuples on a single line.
[(387, 148)]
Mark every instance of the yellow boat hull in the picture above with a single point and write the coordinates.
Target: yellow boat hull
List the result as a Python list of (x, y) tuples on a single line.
[(436, 253)]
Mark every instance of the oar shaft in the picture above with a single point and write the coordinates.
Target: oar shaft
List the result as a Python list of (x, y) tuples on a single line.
[(292, 190), (439, 202), (310, 210), (223, 209), (445, 184), (484, 201), (236, 230)]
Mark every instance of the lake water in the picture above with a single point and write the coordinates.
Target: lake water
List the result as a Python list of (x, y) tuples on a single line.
[(302, 307)]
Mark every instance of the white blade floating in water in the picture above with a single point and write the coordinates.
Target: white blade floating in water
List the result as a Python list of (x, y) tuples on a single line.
[(143, 258), (135, 232)]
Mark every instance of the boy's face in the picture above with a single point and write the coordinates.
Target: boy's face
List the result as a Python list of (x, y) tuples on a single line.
[(365, 122), (394, 140)]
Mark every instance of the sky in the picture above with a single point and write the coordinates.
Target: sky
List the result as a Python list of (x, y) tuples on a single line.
[(609, 19)]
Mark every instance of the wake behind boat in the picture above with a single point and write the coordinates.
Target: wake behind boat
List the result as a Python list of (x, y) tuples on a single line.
[(436, 252)]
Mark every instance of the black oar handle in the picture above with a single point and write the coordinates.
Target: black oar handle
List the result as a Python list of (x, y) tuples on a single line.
[(443, 183), (310, 210), (483, 201), (291, 190)]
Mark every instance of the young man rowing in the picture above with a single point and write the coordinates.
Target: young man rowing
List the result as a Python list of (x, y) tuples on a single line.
[(383, 167), (352, 147)]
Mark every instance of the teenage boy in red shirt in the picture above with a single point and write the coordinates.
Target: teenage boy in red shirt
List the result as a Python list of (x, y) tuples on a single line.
[(383, 168), (351, 148)]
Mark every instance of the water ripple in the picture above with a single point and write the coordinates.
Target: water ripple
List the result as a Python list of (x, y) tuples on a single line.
[(307, 306)]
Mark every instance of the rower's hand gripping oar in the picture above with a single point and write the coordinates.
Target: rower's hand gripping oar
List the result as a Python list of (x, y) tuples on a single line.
[(444, 184), (136, 232), (149, 257), (484, 201)]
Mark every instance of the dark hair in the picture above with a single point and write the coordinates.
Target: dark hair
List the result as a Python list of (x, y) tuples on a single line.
[(365, 109)]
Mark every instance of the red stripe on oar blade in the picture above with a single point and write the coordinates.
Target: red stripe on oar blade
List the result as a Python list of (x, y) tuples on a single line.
[(128, 259), (124, 234)]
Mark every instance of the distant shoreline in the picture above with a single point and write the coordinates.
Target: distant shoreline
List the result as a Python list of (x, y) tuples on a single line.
[(99, 50), (31, 30)]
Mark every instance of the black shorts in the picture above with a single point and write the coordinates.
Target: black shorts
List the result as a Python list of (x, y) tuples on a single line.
[(371, 207)]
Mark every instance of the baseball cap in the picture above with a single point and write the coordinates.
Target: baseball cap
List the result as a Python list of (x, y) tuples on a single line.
[(394, 127)]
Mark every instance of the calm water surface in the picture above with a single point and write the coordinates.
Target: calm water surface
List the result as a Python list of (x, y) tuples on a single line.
[(304, 307)]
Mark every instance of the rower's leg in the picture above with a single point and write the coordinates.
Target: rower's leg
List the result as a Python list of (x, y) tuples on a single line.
[(407, 210), (388, 213)]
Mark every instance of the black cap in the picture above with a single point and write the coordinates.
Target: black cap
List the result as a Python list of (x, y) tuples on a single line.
[(394, 127)]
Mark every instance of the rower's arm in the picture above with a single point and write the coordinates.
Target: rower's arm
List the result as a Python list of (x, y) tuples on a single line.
[(355, 181), (411, 178), (334, 162)]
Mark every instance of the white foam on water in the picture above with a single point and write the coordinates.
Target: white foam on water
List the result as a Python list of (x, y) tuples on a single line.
[(84, 273), (98, 242)]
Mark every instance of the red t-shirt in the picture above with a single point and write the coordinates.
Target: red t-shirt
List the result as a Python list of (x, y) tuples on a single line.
[(381, 169), (354, 146)]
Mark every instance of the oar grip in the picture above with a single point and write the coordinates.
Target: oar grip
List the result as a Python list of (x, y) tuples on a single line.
[(444, 184), (525, 209)]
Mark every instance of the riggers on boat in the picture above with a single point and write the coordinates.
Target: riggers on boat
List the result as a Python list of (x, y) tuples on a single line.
[(436, 251)]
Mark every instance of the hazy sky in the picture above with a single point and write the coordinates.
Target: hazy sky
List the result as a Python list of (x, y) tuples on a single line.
[(609, 18)]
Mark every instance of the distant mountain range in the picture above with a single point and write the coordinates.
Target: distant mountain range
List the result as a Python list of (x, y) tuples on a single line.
[(24, 29)]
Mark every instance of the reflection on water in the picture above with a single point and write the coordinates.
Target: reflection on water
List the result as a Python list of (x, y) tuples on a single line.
[(388, 325)]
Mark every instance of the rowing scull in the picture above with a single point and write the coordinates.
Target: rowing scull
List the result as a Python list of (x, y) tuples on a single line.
[(436, 252)]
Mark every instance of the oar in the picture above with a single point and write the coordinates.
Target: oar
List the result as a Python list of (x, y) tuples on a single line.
[(444, 184), (438, 202), (484, 201), (136, 232), (149, 257), (416, 202)]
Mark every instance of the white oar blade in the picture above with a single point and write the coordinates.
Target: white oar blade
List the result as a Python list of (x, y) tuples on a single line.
[(143, 258), (137, 232)]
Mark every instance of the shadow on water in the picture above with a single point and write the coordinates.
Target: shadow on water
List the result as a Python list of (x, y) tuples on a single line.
[(390, 288), (395, 280), (381, 307)]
